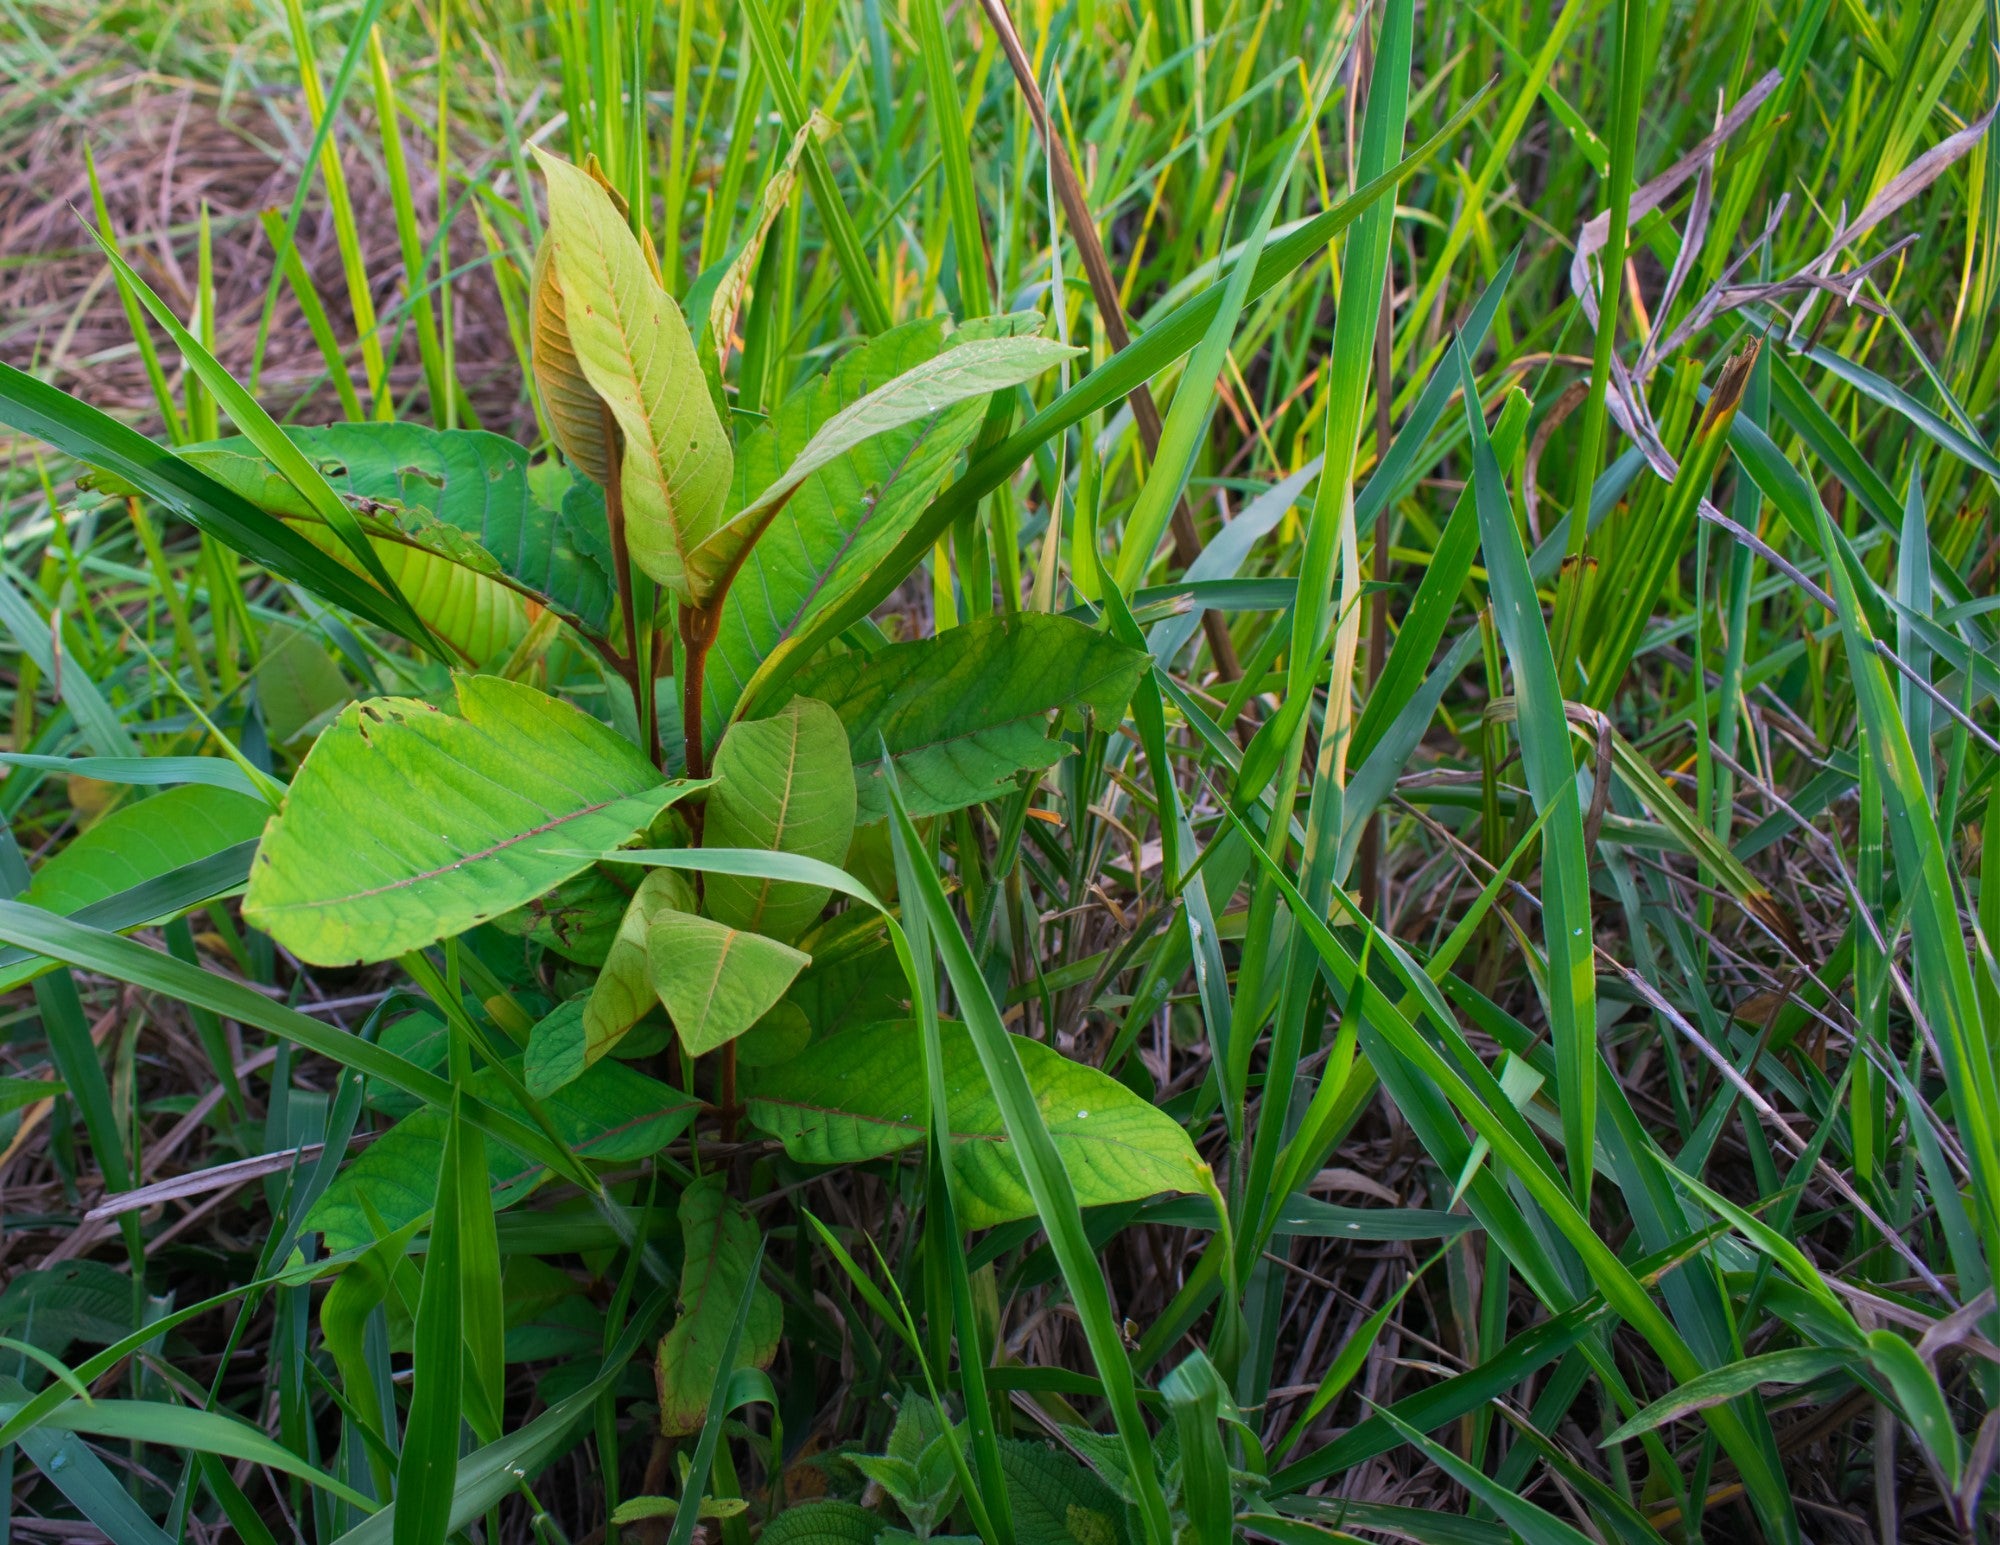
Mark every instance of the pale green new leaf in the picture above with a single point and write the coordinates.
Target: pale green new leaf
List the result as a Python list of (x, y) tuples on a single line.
[(407, 825), (634, 349), (721, 1239), (962, 713), (716, 981), (861, 1095), (784, 784)]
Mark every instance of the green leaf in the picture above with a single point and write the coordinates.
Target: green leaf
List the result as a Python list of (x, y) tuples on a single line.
[(973, 371), (716, 981), (406, 825), (1551, 772), (144, 840), (633, 348), (778, 1037), (861, 1095), (962, 713), (1535, 1526), (75, 944), (76, 1301), (613, 1114), (1796, 1365), (79, 430), (299, 683), (139, 771), (623, 992), (427, 1469), (721, 1239), (1056, 1501), (843, 517), (491, 1473), (784, 784), (825, 1522), (171, 1426), (463, 494), (1921, 1401)]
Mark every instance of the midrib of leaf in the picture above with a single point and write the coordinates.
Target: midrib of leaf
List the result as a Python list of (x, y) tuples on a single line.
[(457, 863), (860, 527)]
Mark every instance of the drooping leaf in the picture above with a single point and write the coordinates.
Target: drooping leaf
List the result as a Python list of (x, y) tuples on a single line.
[(962, 713), (143, 840), (634, 351), (623, 992), (407, 825), (1794, 1365), (721, 1240), (613, 1114), (845, 516), (861, 1095), (299, 684), (480, 618), (786, 785), (716, 981), (464, 494)]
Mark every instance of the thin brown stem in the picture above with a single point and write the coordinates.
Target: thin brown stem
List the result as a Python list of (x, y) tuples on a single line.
[(1104, 290), (698, 630)]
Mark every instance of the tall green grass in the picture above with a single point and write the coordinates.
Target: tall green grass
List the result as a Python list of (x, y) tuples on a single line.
[(1581, 988)]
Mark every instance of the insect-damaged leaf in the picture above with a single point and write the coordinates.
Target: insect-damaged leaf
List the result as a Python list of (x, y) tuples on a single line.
[(721, 1243)]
